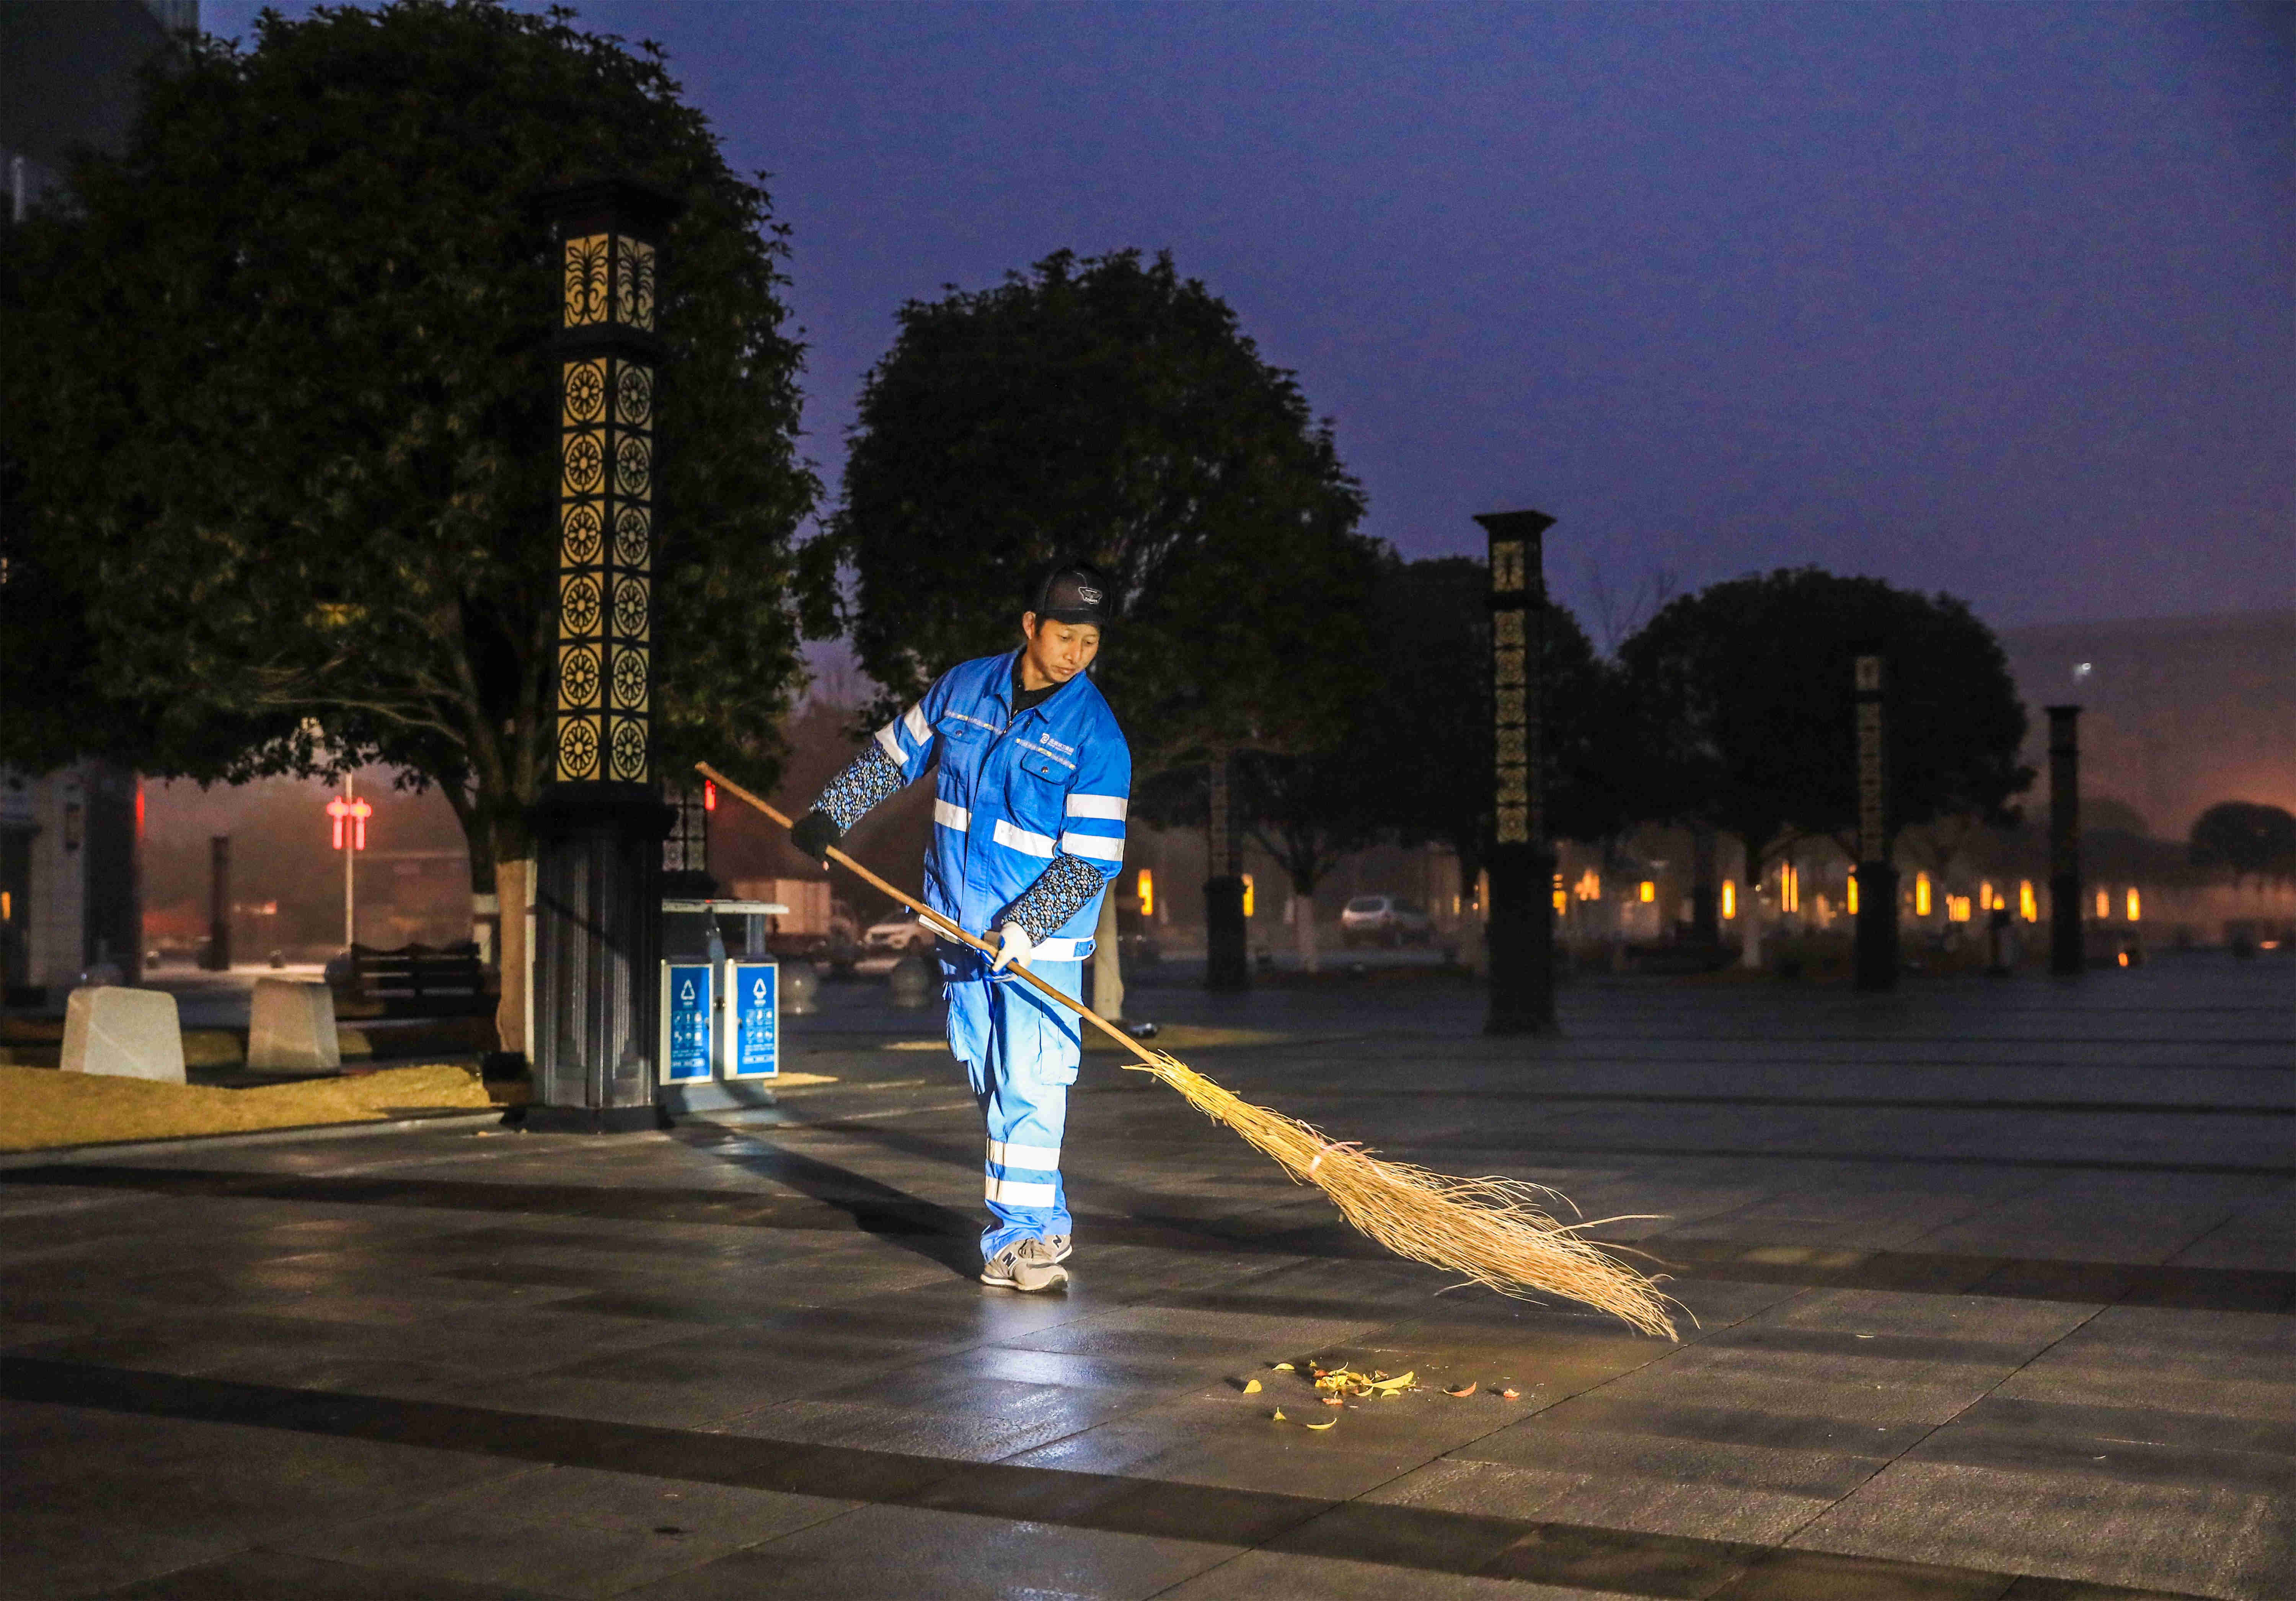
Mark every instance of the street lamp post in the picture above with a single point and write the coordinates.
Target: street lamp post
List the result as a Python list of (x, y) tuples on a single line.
[(1521, 933), (218, 953), (1227, 932), (2065, 952), (600, 823), (350, 815), (1876, 957)]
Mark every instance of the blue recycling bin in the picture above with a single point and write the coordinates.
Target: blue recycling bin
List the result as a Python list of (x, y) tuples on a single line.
[(720, 1032), (752, 1039), (689, 1019)]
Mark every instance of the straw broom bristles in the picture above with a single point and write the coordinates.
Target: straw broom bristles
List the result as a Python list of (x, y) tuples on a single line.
[(1494, 1231)]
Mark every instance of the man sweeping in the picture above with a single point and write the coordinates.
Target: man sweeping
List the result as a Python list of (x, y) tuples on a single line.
[(1028, 812)]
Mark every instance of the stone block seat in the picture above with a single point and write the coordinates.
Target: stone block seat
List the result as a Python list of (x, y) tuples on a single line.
[(291, 1027), (128, 1033)]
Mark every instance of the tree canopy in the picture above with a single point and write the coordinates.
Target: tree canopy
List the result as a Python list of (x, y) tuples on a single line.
[(1109, 409), (2247, 840), (280, 412), (1425, 734), (1747, 706)]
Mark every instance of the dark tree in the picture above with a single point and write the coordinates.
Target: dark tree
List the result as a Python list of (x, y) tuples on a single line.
[(1425, 735), (1744, 691), (279, 406), (2246, 839), (1308, 812), (1108, 408)]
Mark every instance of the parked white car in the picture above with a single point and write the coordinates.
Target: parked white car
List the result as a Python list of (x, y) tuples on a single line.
[(902, 931), (1384, 920)]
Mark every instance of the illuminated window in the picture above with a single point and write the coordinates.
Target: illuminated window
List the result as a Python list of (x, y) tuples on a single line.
[(1147, 893), (2028, 905), (1956, 908), (1562, 901), (1590, 885), (2134, 906), (1729, 898), (1647, 893), (1985, 895), (1921, 894), (2124, 958), (1789, 887), (2103, 904), (1849, 900), (1247, 894)]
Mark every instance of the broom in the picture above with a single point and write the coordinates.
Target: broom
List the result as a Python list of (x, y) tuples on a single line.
[(1494, 1231)]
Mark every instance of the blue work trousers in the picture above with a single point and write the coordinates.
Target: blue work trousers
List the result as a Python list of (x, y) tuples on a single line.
[(1020, 1052)]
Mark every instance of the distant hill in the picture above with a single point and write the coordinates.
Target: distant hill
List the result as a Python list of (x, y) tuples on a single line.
[(2178, 712)]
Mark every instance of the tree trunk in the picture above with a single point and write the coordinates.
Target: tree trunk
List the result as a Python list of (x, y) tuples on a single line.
[(510, 867), (511, 881), (1107, 962), (1303, 928), (1615, 901)]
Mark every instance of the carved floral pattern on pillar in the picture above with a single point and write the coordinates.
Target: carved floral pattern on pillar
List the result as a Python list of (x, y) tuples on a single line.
[(607, 534), (1510, 732)]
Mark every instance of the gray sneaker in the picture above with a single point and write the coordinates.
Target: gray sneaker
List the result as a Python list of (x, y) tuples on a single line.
[(1022, 1266), (1052, 1248)]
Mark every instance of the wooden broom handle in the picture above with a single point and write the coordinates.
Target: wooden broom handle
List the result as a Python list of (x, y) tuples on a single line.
[(943, 923)]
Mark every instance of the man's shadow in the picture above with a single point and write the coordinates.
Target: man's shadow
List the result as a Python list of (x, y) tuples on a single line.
[(937, 1233)]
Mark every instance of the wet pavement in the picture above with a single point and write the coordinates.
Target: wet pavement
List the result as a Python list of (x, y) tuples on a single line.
[(1994, 1291)]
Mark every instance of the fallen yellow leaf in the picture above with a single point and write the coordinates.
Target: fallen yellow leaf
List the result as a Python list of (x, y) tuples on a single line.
[(1335, 1400), (1464, 1390), (1282, 1367), (1509, 1395), (1251, 1386), (1279, 1416), (1320, 1427)]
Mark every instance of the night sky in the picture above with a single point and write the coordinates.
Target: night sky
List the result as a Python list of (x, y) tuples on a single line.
[(1993, 298)]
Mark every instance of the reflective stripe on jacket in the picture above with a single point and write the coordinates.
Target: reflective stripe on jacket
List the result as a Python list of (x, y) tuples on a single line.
[(1012, 793)]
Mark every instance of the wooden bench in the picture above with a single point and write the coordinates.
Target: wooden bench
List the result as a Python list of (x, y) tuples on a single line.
[(422, 980)]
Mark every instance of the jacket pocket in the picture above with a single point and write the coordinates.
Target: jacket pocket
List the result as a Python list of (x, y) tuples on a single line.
[(1038, 765), (1036, 793)]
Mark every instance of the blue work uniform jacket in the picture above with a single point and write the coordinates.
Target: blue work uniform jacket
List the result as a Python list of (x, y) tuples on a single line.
[(1012, 793)]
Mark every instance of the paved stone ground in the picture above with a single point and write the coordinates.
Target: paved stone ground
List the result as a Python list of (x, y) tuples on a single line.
[(1994, 1290)]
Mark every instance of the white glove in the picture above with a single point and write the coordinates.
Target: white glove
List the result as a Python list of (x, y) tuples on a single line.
[(1012, 945)]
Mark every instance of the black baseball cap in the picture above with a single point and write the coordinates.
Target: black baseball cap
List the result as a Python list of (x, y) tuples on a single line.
[(1076, 593)]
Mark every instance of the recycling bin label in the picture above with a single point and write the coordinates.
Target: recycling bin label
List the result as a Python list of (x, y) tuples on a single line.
[(687, 1012), (753, 1047)]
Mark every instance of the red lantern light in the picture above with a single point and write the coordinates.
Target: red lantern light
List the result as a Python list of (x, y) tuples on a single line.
[(357, 812), (709, 794)]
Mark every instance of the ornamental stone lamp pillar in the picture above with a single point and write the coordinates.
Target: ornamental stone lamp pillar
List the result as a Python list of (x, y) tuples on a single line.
[(2066, 952), (1227, 932), (600, 822), (1876, 955), (1522, 912)]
